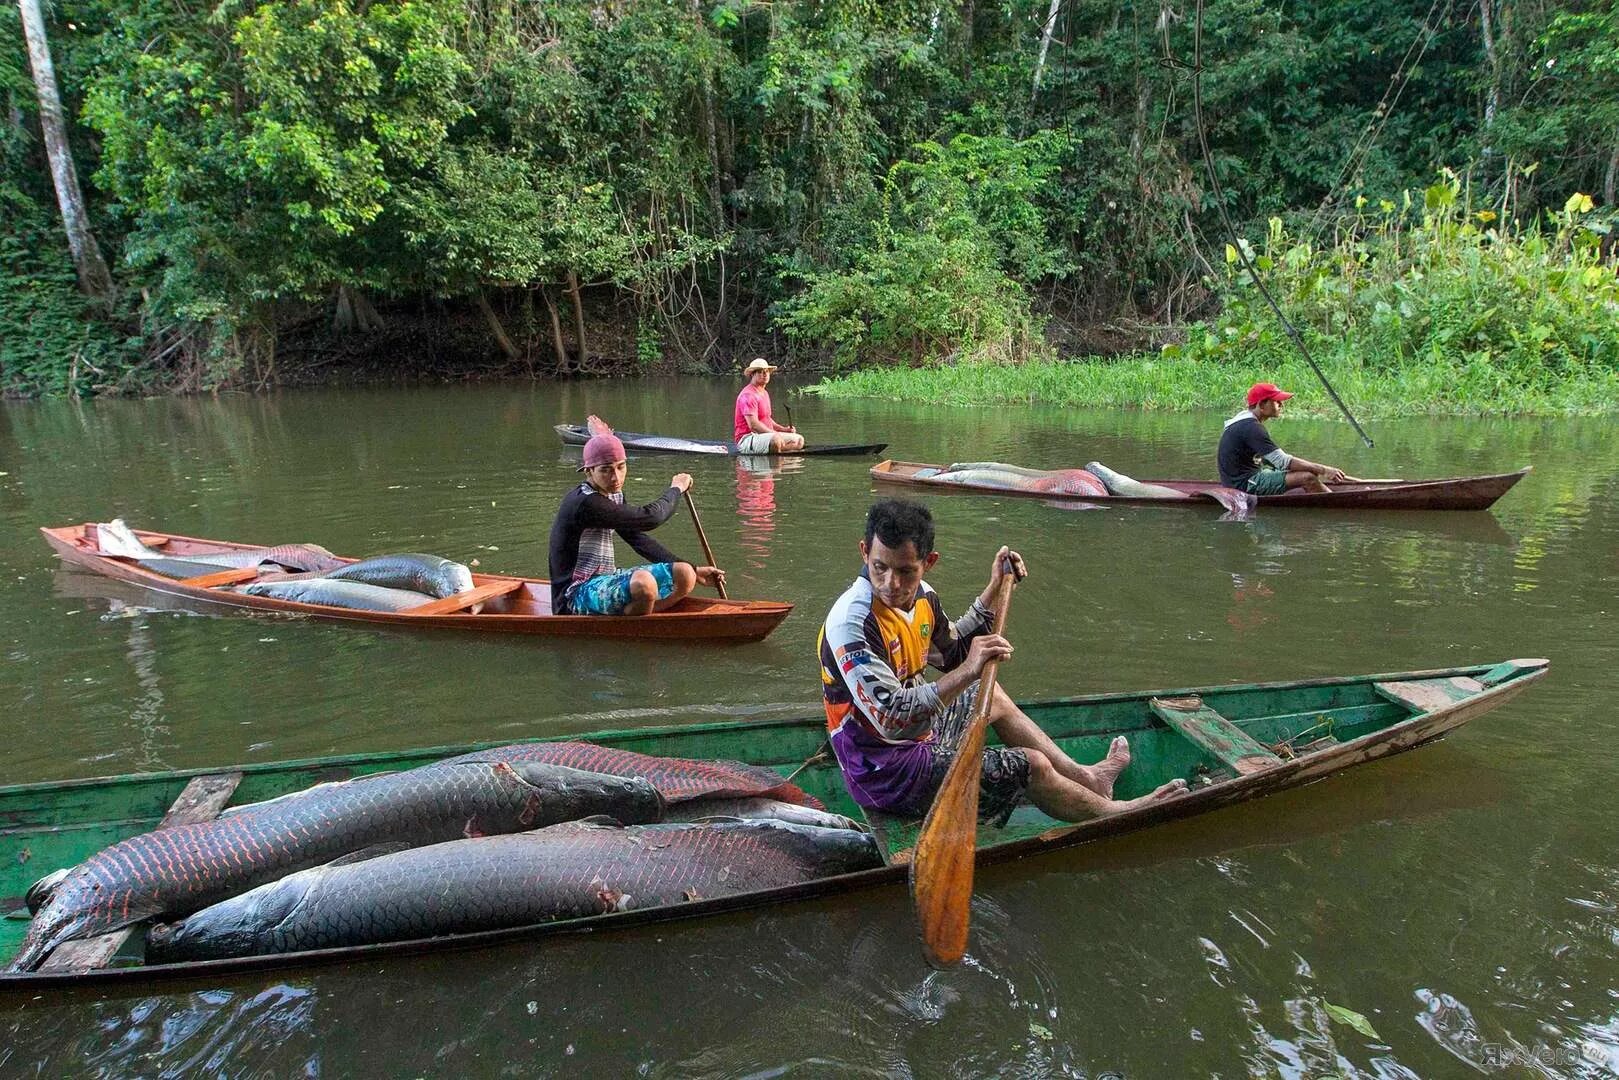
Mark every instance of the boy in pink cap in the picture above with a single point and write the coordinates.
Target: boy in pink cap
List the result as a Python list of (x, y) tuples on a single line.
[(1251, 461), (585, 580)]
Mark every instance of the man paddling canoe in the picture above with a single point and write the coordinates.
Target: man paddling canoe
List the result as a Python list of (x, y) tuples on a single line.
[(894, 733), (585, 580), (753, 428), (1251, 461)]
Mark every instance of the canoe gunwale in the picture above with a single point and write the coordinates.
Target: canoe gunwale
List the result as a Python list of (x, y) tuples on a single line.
[(705, 619), (1416, 730), (1456, 493)]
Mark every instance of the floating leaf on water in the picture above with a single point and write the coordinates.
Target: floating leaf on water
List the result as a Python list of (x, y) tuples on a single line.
[(1040, 1031), (1353, 1019)]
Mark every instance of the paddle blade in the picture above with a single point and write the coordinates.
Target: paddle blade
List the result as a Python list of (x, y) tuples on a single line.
[(942, 869)]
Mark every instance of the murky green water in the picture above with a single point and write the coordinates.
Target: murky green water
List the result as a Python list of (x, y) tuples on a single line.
[(1463, 898)]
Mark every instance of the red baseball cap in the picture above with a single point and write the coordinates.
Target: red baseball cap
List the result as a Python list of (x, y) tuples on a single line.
[(1266, 391)]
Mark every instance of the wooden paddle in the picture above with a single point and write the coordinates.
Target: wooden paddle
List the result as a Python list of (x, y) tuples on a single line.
[(1377, 480), (942, 868), (702, 538), (789, 409)]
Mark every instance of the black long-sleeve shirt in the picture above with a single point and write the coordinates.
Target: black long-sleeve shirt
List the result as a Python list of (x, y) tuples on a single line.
[(584, 509)]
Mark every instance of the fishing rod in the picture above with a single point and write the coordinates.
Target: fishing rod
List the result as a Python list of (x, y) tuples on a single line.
[(1237, 243)]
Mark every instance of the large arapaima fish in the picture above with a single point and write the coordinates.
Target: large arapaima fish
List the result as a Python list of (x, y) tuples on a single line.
[(566, 871), (1018, 478), (118, 540), (437, 577), (177, 870), (356, 595), (677, 779)]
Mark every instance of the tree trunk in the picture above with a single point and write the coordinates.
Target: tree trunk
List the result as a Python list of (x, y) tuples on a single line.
[(94, 278), (1493, 101), (1611, 181), (710, 132), (556, 332), (489, 315), (1045, 44), (578, 316), (969, 13)]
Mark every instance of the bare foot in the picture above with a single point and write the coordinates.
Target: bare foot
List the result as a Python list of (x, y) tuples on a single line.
[(1106, 771), (1167, 791)]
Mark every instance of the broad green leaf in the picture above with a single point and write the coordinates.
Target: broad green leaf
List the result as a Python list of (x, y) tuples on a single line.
[(1352, 1019)]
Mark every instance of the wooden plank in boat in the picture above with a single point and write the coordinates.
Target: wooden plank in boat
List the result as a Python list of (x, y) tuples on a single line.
[(234, 576), (1431, 695), (462, 600), (202, 800), (1222, 739)]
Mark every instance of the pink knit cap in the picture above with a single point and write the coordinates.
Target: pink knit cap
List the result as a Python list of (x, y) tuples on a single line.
[(602, 450)]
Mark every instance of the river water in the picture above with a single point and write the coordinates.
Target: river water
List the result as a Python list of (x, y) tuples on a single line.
[(1463, 899)]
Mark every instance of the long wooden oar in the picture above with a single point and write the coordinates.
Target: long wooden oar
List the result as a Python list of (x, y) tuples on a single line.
[(1376, 480), (942, 868), (702, 538)]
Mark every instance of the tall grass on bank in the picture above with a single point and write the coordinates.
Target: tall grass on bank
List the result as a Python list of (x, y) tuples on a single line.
[(1425, 306)]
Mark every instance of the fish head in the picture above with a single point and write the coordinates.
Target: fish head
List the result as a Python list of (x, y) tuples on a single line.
[(457, 578)]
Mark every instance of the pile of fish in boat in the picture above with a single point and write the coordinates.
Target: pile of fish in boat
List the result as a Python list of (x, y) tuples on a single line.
[(497, 838), (385, 583), (1095, 479)]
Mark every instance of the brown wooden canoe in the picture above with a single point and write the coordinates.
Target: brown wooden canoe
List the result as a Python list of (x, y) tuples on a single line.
[(1455, 493), (511, 605)]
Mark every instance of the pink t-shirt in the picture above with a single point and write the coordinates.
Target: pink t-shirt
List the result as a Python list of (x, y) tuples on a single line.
[(752, 401)]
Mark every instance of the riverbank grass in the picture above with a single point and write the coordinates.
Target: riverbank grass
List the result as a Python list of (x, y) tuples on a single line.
[(1153, 382)]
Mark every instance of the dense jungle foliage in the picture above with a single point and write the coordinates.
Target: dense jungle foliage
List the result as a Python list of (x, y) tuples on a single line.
[(854, 182)]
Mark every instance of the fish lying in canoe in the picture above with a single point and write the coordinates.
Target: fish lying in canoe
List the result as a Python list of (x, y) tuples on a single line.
[(760, 810), (177, 870), (566, 871), (356, 595), (1016, 478), (677, 779), (436, 577), (118, 540)]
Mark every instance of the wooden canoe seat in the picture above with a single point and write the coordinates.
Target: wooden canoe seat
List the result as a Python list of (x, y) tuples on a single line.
[(233, 576), (202, 800), (1429, 695), (463, 600), (1219, 737)]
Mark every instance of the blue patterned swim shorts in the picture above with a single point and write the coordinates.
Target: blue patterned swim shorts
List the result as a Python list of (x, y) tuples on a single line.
[(609, 594)]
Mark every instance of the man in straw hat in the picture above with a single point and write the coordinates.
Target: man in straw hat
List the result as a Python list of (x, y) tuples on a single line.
[(755, 431), (1251, 461), (585, 580)]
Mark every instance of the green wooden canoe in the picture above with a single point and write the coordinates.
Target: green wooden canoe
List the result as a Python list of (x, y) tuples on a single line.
[(1230, 742)]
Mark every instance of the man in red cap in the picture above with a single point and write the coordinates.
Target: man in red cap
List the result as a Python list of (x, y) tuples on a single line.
[(1251, 461), (585, 580)]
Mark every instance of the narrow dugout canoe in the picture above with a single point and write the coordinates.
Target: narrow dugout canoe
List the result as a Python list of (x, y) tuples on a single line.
[(1454, 493), (1231, 743), (578, 435), (511, 605)]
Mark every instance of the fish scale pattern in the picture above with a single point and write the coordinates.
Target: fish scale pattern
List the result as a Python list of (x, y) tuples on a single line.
[(430, 574), (565, 871), (177, 870), (1055, 482), (677, 779)]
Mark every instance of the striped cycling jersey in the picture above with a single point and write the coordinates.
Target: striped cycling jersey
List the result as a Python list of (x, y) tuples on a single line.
[(879, 707)]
